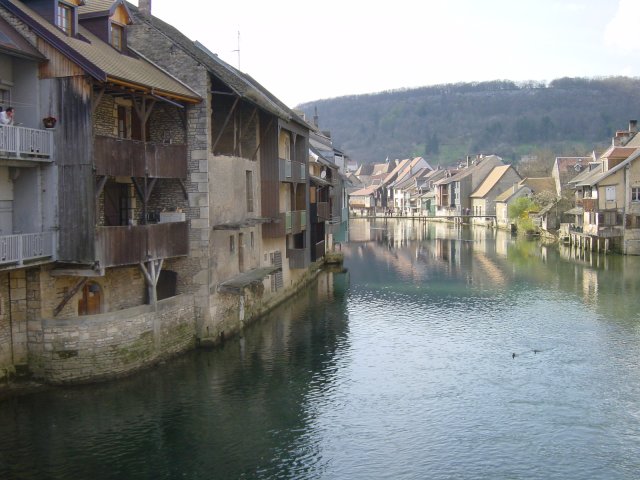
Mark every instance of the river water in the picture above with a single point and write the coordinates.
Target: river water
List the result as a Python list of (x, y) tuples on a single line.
[(443, 353)]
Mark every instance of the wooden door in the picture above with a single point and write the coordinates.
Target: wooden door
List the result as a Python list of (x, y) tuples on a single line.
[(91, 301)]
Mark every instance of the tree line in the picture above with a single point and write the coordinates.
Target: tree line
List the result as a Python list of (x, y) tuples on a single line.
[(443, 123)]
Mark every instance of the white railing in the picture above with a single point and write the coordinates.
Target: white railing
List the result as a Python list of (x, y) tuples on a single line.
[(29, 246), (26, 143)]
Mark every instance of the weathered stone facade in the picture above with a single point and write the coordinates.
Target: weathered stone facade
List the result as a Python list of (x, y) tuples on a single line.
[(110, 344)]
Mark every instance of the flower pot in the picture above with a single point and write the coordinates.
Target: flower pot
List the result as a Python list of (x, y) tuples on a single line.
[(49, 122)]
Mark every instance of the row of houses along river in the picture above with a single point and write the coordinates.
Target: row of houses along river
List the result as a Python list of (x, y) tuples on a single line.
[(441, 352)]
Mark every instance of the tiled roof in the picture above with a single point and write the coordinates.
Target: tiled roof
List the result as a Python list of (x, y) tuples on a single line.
[(494, 177), (93, 7), (102, 60), (540, 184), (13, 43), (364, 191), (507, 194), (618, 152)]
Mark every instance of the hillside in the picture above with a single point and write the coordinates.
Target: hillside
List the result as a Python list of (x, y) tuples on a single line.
[(446, 122)]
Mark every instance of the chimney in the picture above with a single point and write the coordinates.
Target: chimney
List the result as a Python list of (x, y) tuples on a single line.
[(315, 116), (468, 160), (633, 126), (144, 6)]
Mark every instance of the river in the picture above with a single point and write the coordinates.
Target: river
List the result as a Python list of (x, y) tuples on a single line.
[(443, 353)]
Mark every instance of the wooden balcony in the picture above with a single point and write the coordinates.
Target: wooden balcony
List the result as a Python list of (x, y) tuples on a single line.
[(292, 171), (20, 143), (323, 211), (298, 258), (21, 248), (119, 157), (590, 204), (288, 222), (133, 244)]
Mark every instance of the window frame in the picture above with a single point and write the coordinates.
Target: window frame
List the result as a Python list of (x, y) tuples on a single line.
[(116, 27), (64, 17)]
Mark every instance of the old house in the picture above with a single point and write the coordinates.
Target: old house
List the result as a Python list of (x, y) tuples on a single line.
[(121, 164), (527, 187), (483, 199), (28, 191), (252, 181), (453, 194), (566, 168)]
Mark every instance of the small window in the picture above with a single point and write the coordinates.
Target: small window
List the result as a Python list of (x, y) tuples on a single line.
[(610, 193), (249, 188), (117, 36), (232, 244), (635, 194), (252, 240), (64, 17)]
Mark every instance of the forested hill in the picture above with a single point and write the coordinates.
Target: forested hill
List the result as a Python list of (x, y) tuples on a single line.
[(446, 122)]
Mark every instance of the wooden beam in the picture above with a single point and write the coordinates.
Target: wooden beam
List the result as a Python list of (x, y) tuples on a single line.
[(150, 189), (70, 295), (151, 275), (184, 189), (138, 188), (100, 186), (269, 125), (224, 125), (77, 272), (96, 100)]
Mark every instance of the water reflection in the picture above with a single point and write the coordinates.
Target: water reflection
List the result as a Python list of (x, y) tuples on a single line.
[(234, 412), (490, 259), (445, 352)]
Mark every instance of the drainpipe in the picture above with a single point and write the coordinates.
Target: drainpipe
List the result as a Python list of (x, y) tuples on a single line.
[(624, 206), (13, 361)]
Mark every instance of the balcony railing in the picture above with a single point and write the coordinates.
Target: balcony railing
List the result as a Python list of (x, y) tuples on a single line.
[(25, 247), (132, 158), (298, 258), (291, 171), (130, 245), (26, 143)]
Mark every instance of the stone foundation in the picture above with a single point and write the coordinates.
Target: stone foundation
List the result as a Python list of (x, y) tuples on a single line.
[(95, 347)]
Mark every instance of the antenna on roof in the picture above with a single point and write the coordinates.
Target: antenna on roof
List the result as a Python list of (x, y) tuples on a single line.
[(238, 50)]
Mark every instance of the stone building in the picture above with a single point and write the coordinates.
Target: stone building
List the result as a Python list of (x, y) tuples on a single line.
[(120, 293), (254, 180)]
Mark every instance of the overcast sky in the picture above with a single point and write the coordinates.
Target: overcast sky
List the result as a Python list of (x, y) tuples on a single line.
[(303, 51)]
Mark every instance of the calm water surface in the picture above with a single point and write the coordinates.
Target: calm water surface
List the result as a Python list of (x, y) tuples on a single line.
[(402, 368)]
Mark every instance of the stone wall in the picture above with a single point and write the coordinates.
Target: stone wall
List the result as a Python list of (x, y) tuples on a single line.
[(193, 272), (121, 288), (112, 344)]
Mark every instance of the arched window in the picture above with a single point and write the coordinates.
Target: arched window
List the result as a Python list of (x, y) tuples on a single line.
[(91, 301)]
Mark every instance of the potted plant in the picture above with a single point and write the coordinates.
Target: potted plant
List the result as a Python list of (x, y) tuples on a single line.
[(49, 122)]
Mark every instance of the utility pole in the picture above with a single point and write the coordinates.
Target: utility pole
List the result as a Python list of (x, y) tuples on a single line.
[(238, 50)]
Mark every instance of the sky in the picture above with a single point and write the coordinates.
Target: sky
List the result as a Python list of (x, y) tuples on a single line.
[(303, 51)]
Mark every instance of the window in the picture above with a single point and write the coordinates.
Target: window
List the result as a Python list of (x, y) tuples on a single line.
[(635, 194), (123, 124), (232, 244), (249, 189), (117, 36), (610, 193), (64, 16), (252, 240)]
